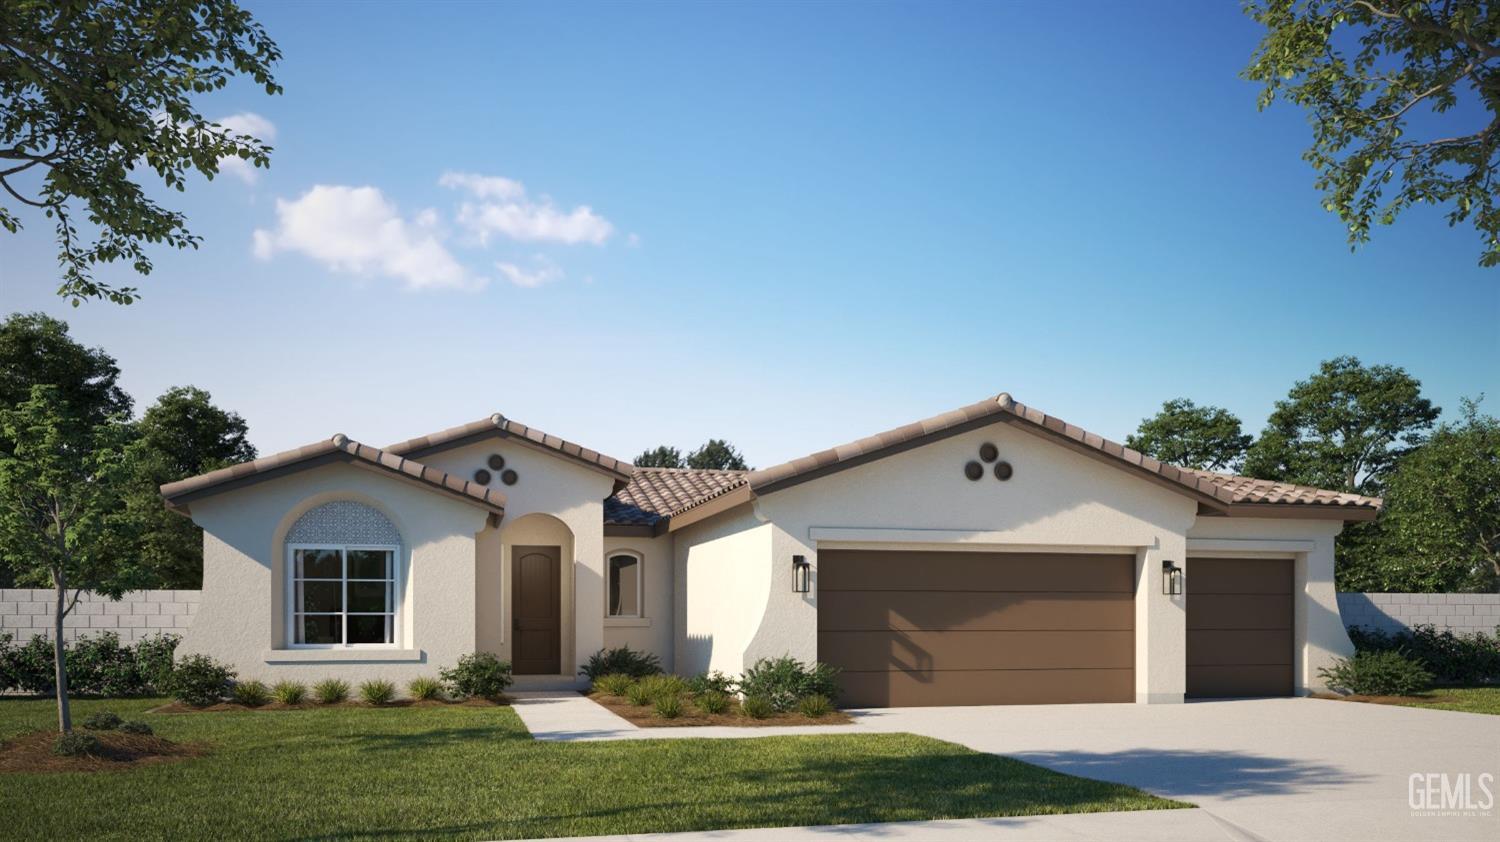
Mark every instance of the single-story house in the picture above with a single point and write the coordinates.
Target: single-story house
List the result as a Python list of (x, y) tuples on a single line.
[(992, 554)]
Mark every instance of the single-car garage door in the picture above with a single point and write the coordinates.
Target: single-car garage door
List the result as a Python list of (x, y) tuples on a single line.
[(914, 628), (1239, 627)]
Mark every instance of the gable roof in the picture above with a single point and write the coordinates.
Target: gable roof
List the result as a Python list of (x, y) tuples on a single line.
[(339, 448), (654, 495), (499, 425)]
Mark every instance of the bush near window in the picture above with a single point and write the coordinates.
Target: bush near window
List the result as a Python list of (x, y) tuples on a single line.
[(480, 675), (757, 707), (330, 691), (614, 684), (623, 661), (425, 689), (711, 682), (251, 694), (77, 744), (98, 665), (784, 681), (199, 680), (103, 721), (289, 692), (1451, 658), (377, 693), (1387, 673)]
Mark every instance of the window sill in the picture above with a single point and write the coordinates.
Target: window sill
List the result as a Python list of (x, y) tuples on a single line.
[(338, 656), (627, 622)]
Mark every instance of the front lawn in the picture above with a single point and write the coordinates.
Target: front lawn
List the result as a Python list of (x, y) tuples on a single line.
[(475, 773), (1466, 699)]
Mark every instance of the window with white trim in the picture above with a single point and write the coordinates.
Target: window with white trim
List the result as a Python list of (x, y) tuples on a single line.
[(342, 595), (624, 580)]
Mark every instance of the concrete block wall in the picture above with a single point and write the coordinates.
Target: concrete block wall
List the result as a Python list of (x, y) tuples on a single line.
[(1394, 612), (25, 612)]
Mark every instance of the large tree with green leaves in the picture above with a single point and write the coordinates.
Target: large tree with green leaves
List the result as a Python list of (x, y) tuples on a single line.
[(36, 349), (1208, 438), (1344, 428), (717, 454), (94, 92), (1404, 101), (661, 456), (62, 524)]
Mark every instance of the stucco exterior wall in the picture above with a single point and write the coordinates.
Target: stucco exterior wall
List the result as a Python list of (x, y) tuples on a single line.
[(653, 631), (723, 583), (242, 617), (1318, 635)]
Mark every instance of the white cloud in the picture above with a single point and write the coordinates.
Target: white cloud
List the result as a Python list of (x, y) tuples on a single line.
[(513, 214), (544, 272), (252, 124), (358, 231)]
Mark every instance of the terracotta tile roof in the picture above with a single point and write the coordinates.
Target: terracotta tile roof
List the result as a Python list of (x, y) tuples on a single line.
[(339, 448), (1248, 490), (475, 430), (655, 494)]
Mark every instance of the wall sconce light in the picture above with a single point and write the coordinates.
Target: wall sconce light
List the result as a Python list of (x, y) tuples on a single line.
[(1171, 578), (801, 574)]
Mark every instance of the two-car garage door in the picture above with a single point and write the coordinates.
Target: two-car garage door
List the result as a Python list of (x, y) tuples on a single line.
[(914, 628)]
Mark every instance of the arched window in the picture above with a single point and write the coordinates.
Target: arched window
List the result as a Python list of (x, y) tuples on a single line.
[(626, 571), (343, 564)]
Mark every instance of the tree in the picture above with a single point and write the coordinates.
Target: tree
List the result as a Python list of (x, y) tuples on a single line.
[(1344, 427), (91, 92), (1182, 433), (717, 454), (1441, 527), (1404, 96), (61, 521), (181, 435), (660, 457), (36, 349)]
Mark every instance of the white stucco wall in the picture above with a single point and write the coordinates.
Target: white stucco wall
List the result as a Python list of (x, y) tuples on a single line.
[(653, 631), (723, 584), (241, 618)]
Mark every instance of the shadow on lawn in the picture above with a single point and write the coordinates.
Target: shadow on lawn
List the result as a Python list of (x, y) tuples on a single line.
[(435, 738), (1185, 774)]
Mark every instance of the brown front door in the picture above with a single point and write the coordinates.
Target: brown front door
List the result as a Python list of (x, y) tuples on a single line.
[(974, 628), (536, 604), (1239, 627)]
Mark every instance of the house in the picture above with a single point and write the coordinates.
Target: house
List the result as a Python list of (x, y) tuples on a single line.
[(988, 555)]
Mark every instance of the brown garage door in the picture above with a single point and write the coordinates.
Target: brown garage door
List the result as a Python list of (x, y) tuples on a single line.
[(1239, 627), (961, 628)]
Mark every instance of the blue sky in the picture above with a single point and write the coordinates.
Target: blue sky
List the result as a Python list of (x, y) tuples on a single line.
[(788, 225)]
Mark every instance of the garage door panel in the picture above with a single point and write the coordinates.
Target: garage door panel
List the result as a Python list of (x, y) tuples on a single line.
[(1249, 648), (971, 572), (1240, 680), (986, 687), (1239, 576), (1240, 611), (936, 650), (914, 610)]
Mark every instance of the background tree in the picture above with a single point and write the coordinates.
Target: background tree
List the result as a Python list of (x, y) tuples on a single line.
[(36, 349), (181, 435), (660, 457), (1182, 433), (1441, 528), (717, 454), (61, 521), (1342, 428), (91, 92), (1404, 97)]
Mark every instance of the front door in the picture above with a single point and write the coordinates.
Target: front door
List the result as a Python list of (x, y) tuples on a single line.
[(536, 588)]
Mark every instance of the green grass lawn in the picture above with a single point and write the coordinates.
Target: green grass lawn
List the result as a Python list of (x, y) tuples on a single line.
[(1466, 699), (471, 772)]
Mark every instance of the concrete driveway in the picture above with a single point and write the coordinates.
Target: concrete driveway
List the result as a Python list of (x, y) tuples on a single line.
[(1276, 769)]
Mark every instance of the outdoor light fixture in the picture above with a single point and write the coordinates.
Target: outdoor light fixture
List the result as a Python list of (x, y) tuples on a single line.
[(1171, 578), (801, 574)]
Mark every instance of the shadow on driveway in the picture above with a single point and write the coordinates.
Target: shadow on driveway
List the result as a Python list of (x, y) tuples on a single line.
[(1185, 774)]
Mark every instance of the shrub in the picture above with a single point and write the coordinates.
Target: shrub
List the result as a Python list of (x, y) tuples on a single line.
[(7, 645), (76, 744), (624, 660), (712, 702), (102, 721), (783, 681), (153, 659), (30, 666), (663, 685), (478, 676), (97, 665), (669, 707), (331, 691), (815, 706), (378, 692), (1452, 658), (289, 692), (757, 707), (137, 727), (198, 680), (1377, 674), (639, 694), (251, 694), (711, 682), (425, 689), (614, 684)]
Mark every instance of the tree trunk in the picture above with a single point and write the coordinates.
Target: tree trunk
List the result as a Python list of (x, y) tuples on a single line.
[(64, 715)]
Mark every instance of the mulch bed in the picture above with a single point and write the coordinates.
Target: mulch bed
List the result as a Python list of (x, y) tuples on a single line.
[(645, 717), (179, 707), (33, 753), (1383, 700)]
